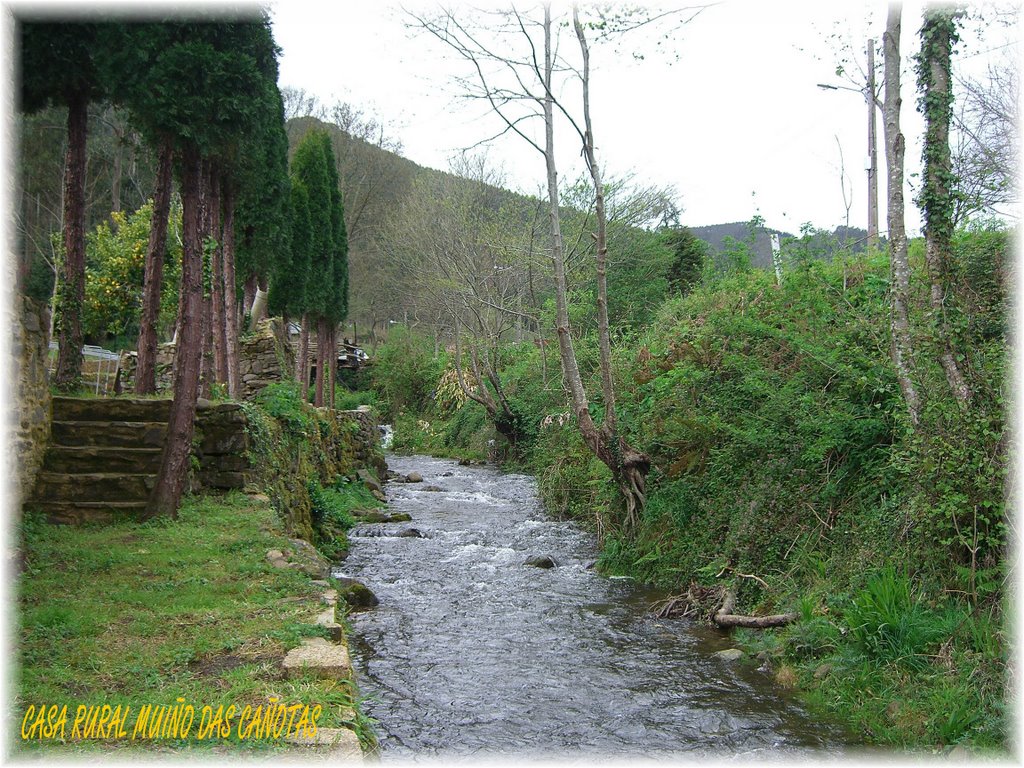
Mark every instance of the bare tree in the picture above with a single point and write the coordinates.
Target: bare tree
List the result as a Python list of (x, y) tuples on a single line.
[(987, 142), (516, 76), (461, 240), (901, 348), (300, 103)]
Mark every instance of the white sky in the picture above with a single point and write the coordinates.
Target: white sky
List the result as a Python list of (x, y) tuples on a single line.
[(737, 125)]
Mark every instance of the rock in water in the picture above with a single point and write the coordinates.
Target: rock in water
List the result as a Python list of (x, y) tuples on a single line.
[(411, 533), (414, 477), (730, 654), (541, 561)]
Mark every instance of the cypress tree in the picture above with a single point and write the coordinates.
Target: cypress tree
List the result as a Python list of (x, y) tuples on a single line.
[(311, 166), (58, 70), (288, 281), (211, 97)]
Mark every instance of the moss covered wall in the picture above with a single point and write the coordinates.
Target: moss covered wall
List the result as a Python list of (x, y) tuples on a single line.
[(29, 410), (292, 445)]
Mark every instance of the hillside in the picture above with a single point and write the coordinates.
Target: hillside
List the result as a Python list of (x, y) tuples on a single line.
[(715, 235)]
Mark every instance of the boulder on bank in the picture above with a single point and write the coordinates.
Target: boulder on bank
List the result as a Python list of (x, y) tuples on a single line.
[(356, 594), (369, 481), (303, 557)]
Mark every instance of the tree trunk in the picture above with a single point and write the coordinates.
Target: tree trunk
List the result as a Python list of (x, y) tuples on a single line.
[(302, 366), (72, 293), (205, 227), (217, 289), (258, 308), (230, 304), (173, 473), (115, 175), (628, 466), (334, 362), (145, 371), (937, 35), (902, 346), (321, 346)]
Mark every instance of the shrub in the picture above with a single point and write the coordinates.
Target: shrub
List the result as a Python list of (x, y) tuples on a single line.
[(889, 624)]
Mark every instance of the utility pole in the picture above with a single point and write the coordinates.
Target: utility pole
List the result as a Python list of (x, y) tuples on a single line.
[(869, 96), (872, 167)]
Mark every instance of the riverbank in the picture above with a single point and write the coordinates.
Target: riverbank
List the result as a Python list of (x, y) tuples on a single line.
[(186, 613), (784, 468)]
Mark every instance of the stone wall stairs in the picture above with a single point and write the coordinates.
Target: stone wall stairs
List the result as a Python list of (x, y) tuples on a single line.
[(102, 460)]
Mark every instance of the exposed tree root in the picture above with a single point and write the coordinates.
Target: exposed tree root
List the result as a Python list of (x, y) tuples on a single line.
[(725, 617)]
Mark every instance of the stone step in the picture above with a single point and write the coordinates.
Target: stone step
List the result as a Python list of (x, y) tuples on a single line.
[(79, 512), (110, 409), (318, 657), (91, 458), (92, 486), (334, 743), (130, 434)]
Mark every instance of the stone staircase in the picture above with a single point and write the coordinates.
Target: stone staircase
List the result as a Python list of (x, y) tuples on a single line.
[(102, 460)]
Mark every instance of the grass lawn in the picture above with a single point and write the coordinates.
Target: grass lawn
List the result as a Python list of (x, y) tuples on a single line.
[(136, 614)]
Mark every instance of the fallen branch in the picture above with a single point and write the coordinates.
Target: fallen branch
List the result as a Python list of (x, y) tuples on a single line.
[(726, 618)]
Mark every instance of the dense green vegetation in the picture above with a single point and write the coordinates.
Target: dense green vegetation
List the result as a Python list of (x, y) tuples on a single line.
[(784, 467)]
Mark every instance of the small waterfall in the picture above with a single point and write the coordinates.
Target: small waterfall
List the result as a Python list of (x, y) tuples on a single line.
[(387, 434)]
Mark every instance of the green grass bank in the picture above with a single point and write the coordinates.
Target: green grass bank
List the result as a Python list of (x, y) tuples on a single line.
[(191, 612)]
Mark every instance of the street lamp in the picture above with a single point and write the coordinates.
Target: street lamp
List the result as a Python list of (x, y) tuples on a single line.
[(868, 92)]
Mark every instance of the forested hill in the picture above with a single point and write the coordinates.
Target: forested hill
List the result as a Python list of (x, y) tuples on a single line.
[(715, 235)]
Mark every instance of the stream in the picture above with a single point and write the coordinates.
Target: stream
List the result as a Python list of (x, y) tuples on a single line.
[(473, 653)]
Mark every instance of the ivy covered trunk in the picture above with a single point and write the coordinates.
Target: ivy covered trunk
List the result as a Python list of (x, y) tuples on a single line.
[(938, 34), (72, 292), (173, 473), (145, 372)]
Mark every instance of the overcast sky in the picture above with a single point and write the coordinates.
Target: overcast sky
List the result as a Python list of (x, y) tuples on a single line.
[(737, 124)]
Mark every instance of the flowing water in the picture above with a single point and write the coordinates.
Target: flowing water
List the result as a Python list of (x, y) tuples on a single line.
[(473, 652)]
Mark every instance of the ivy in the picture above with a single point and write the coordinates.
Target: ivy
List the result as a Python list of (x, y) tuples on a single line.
[(936, 199)]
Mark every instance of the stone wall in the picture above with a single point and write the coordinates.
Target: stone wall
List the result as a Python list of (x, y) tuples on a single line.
[(345, 442), (366, 450), (164, 368), (265, 356), (221, 447), (30, 420)]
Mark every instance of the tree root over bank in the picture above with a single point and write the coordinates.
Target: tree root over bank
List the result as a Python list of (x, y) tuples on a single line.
[(698, 602), (725, 617)]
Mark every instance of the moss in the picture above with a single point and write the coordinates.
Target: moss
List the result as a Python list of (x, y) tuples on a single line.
[(296, 451)]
